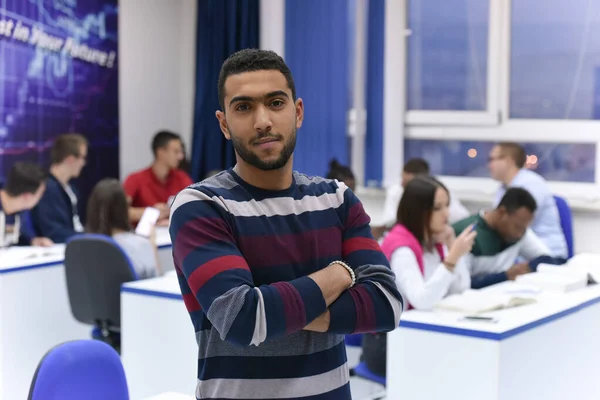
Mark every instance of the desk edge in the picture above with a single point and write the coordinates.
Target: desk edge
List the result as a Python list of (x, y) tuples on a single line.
[(28, 267), (496, 336), (152, 293)]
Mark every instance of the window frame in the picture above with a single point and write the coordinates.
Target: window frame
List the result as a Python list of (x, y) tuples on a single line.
[(581, 196), (490, 115)]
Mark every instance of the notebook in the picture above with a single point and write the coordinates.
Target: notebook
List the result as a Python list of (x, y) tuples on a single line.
[(589, 272), (555, 278), (482, 301)]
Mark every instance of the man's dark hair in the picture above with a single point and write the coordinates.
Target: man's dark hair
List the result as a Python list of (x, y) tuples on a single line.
[(249, 60), (416, 166), (416, 205), (162, 139), (515, 151), (65, 145), (339, 171), (516, 198), (23, 178)]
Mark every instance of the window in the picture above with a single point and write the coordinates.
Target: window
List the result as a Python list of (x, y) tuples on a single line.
[(567, 162), (447, 55), (555, 59)]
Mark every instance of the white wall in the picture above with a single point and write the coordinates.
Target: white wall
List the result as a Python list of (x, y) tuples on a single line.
[(157, 46)]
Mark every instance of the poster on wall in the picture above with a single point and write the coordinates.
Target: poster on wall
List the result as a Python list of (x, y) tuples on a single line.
[(58, 74)]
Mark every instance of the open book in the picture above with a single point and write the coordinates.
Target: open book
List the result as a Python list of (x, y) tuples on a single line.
[(481, 301)]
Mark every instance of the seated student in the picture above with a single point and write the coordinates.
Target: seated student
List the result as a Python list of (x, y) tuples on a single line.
[(20, 192), (341, 173), (56, 215), (107, 214), (424, 254), (413, 167), (153, 186), (507, 165), (503, 235)]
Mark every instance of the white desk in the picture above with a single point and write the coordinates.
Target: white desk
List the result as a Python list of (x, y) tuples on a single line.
[(34, 317), (549, 350), (35, 314), (158, 344)]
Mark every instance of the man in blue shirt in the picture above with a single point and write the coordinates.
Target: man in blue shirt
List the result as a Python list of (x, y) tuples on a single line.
[(22, 190), (57, 216), (506, 162)]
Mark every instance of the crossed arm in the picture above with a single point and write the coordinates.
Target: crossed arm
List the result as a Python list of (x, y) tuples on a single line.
[(220, 283)]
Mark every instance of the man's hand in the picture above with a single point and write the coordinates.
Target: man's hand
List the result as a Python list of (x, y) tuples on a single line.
[(320, 324), (41, 242), (518, 269), (164, 210), (163, 222)]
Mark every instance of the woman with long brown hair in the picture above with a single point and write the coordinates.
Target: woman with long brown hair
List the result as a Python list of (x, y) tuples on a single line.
[(107, 214)]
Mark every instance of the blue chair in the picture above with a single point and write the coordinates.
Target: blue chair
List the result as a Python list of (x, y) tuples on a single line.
[(95, 269), (566, 222), (364, 372), (81, 369), (354, 340)]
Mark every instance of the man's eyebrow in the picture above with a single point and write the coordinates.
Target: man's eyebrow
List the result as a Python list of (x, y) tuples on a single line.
[(250, 98)]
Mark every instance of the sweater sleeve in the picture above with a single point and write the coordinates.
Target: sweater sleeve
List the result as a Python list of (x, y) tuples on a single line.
[(219, 280), (374, 303), (419, 293)]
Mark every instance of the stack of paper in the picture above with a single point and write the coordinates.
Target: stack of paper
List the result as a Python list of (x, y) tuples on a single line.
[(481, 301), (555, 278)]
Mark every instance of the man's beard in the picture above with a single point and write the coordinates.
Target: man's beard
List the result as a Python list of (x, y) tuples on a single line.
[(251, 158)]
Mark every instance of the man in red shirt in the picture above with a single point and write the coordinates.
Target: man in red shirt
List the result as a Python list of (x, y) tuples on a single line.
[(153, 186)]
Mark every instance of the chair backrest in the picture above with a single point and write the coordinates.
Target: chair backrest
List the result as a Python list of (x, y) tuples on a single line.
[(95, 268), (81, 369), (566, 222)]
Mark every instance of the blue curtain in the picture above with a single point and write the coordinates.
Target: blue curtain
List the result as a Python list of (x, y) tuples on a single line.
[(316, 50), (374, 92), (224, 27)]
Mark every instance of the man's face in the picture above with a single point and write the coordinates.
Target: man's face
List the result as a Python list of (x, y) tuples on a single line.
[(75, 163), (406, 177), (512, 226), (261, 118), (171, 154), (499, 163)]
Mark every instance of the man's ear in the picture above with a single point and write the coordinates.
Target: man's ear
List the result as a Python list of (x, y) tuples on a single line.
[(299, 113), (223, 124), (502, 211)]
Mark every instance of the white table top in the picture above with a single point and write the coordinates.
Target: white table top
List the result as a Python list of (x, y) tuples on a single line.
[(171, 396), (509, 322), (27, 257), (166, 286)]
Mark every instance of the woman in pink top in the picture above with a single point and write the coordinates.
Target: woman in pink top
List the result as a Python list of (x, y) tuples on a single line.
[(424, 254)]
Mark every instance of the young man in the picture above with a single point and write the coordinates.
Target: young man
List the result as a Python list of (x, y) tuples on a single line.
[(275, 267), (22, 190), (503, 235), (506, 163), (413, 167), (57, 214), (155, 185)]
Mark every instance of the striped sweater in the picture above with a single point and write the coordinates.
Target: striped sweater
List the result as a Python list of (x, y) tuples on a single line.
[(243, 256)]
